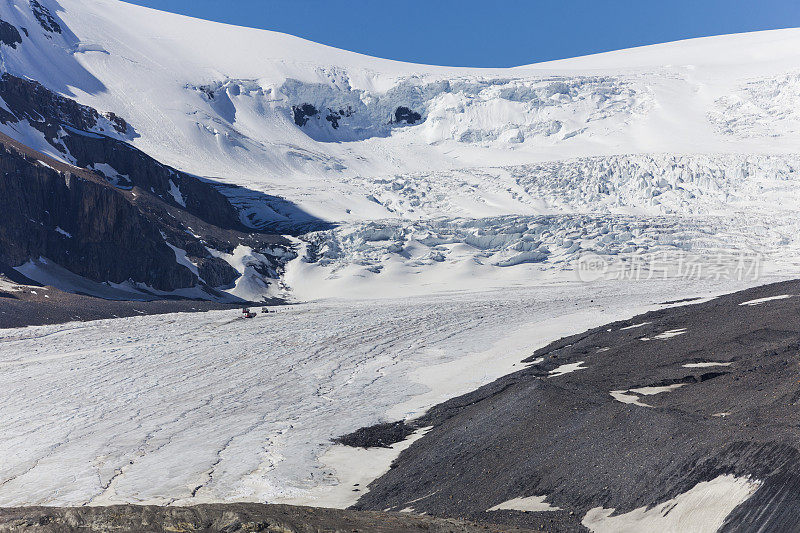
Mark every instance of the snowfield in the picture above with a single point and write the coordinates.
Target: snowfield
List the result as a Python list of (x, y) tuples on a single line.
[(332, 131), (192, 408)]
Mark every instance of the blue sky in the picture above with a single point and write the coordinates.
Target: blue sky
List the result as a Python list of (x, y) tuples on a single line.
[(492, 33)]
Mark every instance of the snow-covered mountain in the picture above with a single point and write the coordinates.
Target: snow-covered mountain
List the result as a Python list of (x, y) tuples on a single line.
[(313, 124), (706, 127)]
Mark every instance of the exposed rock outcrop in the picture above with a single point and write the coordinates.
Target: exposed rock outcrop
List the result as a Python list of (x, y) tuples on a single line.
[(9, 35), (230, 518), (302, 113), (404, 114), (126, 167), (45, 18), (93, 140), (334, 116), (49, 112), (83, 226)]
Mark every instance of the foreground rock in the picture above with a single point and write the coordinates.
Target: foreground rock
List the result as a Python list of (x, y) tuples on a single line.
[(228, 518)]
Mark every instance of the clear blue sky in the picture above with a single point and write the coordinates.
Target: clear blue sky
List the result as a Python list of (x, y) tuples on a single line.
[(492, 33)]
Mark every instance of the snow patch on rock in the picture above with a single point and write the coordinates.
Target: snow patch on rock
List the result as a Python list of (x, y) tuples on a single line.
[(759, 301), (176, 194), (529, 504), (701, 509)]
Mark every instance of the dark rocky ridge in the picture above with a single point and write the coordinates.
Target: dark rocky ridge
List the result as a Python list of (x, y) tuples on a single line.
[(9, 35), (48, 111), (567, 438), (105, 227), (116, 235), (80, 133), (45, 18), (199, 197), (231, 518)]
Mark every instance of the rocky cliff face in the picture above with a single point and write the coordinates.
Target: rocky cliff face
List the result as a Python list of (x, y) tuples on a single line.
[(89, 139), (83, 226), (114, 214), (126, 167), (49, 112)]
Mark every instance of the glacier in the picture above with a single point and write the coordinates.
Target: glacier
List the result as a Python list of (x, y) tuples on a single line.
[(437, 217)]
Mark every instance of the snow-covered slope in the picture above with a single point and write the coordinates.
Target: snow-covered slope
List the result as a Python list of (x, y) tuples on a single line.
[(227, 102)]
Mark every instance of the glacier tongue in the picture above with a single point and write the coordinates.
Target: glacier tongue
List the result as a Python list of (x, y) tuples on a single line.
[(200, 407)]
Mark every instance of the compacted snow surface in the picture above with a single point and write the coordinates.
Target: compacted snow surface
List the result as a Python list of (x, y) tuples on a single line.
[(192, 408)]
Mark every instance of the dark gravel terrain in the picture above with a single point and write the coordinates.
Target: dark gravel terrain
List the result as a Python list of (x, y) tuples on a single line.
[(240, 517), (567, 438), (36, 306), (23, 302)]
